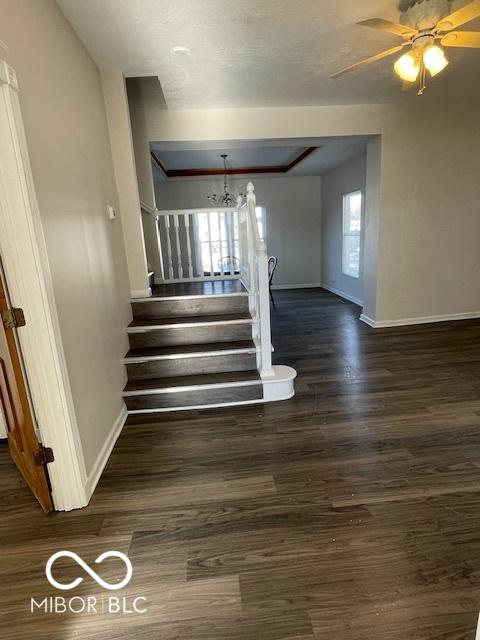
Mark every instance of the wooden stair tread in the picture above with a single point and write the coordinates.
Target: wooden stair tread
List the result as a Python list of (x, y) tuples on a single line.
[(218, 287), (190, 381), (191, 348), (152, 322)]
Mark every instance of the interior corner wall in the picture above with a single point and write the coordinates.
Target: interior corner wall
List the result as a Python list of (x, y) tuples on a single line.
[(373, 182), (293, 219), (344, 179), (66, 130), (141, 143), (121, 143)]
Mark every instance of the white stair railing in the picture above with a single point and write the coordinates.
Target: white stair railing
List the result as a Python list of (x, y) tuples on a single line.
[(220, 244), (198, 244), (254, 275)]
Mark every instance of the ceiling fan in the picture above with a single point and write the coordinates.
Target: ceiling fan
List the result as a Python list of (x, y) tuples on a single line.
[(421, 25)]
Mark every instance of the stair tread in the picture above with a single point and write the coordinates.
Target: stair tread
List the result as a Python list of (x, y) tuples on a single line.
[(216, 287), (152, 322), (190, 381), (190, 348)]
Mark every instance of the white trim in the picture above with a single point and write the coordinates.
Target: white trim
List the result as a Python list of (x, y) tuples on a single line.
[(30, 286), (104, 454), (278, 385), (382, 324), (341, 294), (285, 287), (141, 293), (477, 635), (189, 325), (147, 208), (219, 278), (192, 387), (219, 405), (179, 212), (367, 320), (193, 354), (192, 297)]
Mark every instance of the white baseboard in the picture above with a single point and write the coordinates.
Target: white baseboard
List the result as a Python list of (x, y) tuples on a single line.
[(403, 322), (280, 287), (104, 455), (148, 208), (141, 293), (341, 294)]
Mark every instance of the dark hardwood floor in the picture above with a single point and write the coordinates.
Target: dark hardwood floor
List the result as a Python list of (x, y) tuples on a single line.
[(351, 512)]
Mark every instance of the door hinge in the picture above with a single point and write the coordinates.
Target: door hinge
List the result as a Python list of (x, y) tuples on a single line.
[(44, 455), (13, 318)]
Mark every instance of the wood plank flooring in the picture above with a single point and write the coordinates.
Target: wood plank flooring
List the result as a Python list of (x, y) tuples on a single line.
[(350, 512)]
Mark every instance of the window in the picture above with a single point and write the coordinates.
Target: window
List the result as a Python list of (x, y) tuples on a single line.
[(352, 227), (217, 235)]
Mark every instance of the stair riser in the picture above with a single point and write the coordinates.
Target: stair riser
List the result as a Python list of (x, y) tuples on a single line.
[(207, 305), (191, 366), (193, 335), (194, 398)]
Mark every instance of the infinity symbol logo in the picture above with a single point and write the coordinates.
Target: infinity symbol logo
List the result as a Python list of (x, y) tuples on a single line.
[(87, 569)]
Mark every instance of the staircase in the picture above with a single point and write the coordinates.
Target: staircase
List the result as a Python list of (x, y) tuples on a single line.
[(204, 340)]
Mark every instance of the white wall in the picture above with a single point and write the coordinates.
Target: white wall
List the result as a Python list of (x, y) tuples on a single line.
[(293, 219), (425, 222), (64, 116), (349, 177)]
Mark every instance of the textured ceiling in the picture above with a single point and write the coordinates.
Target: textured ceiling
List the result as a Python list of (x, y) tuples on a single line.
[(331, 153), (257, 52)]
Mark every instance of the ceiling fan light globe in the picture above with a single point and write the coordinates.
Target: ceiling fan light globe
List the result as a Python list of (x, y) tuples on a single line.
[(407, 67), (434, 60)]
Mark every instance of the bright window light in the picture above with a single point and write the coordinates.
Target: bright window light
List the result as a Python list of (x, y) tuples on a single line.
[(352, 229)]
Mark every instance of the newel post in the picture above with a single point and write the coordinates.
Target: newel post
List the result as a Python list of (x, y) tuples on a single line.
[(262, 287)]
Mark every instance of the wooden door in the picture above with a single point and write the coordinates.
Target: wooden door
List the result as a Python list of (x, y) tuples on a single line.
[(22, 440)]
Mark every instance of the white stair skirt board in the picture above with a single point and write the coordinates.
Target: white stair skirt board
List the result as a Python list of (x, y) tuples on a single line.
[(341, 294), (279, 386), (384, 324), (141, 293)]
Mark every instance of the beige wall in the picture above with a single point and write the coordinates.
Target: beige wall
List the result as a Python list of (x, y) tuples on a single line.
[(350, 176), (64, 116), (424, 214), (140, 141), (118, 118), (293, 219)]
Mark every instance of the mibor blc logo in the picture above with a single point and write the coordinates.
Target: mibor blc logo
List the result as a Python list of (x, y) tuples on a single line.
[(89, 604)]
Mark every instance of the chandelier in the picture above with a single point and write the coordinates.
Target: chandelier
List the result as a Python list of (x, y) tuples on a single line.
[(225, 199)]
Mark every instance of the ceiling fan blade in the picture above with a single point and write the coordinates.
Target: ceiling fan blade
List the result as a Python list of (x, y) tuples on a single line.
[(363, 63), (469, 39), (462, 16), (391, 27)]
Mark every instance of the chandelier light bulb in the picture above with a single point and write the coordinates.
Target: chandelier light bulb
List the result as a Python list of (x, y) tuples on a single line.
[(434, 60), (407, 67)]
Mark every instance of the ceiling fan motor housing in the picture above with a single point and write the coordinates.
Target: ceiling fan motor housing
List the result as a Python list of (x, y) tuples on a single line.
[(424, 15)]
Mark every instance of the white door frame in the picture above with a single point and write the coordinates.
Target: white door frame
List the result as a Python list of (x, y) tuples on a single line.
[(27, 271)]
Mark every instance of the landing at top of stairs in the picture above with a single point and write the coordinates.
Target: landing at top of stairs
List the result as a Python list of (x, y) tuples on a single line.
[(218, 287)]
